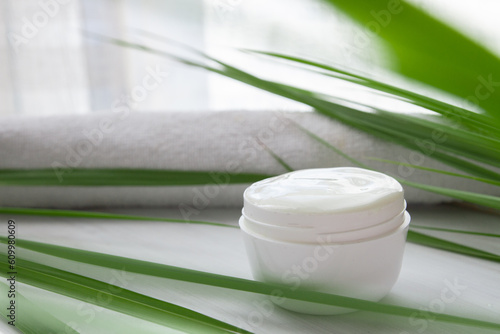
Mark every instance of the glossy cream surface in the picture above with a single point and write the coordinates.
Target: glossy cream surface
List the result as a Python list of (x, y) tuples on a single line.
[(325, 190)]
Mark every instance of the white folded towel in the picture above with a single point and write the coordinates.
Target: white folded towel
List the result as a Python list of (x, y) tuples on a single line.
[(190, 141)]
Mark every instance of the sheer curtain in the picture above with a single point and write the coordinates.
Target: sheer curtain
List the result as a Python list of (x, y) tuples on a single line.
[(51, 65), (43, 66)]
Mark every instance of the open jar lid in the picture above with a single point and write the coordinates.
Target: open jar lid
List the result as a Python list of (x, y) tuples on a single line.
[(326, 200)]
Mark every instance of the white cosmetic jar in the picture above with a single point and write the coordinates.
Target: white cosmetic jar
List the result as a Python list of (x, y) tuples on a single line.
[(333, 230)]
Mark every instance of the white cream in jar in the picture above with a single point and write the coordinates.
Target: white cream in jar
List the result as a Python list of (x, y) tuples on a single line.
[(335, 230)]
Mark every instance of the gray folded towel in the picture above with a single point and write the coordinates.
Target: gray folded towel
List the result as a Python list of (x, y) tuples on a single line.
[(190, 141)]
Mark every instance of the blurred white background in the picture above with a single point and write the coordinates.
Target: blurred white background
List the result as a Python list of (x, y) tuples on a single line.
[(49, 66)]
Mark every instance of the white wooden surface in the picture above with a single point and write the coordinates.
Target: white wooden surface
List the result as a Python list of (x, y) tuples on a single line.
[(426, 273)]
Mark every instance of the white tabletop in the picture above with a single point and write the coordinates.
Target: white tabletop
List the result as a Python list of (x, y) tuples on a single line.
[(425, 274)]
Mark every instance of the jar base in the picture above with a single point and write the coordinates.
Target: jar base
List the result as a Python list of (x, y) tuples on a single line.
[(312, 308)]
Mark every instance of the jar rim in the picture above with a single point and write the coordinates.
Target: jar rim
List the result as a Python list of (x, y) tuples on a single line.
[(311, 236), (372, 198)]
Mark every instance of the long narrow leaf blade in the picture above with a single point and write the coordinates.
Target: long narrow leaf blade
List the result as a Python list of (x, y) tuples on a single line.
[(189, 275), (430, 51), (30, 318), (118, 177), (449, 230), (427, 240), (379, 125), (117, 298), (467, 196), (439, 171), (97, 215), (457, 115)]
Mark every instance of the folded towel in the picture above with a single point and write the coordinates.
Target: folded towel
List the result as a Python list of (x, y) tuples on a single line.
[(191, 141)]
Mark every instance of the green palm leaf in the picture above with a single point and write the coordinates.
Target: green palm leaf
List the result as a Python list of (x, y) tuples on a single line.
[(421, 239), (33, 319), (404, 130), (119, 177), (189, 275), (467, 196), (430, 51), (96, 215), (439, 171), (434, 242), (116, 298), (455, 114), (492, 235)]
